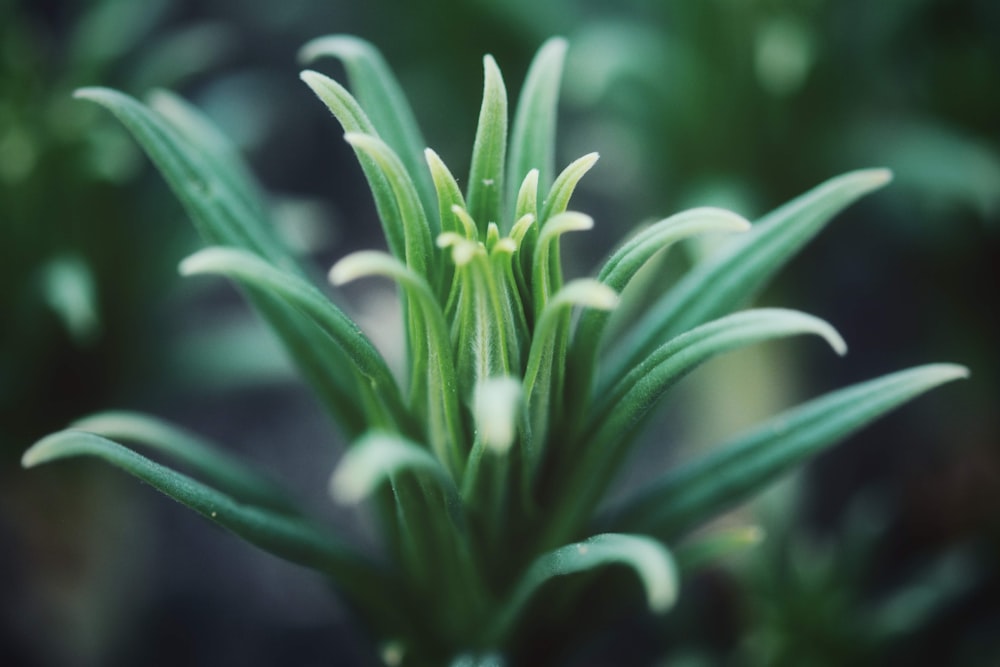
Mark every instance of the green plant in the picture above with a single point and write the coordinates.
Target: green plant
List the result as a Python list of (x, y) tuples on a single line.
[(487, 462)]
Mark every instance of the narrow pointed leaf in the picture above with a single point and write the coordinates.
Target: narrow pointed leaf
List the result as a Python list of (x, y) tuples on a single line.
[(532, 142), (382, 98), (223, 217), (547, 272), (207, 460), (334, 326), (221, 214), (694, 493), (416, 230), (620, 410), (619, 270), (733, 276), (354, 120), (488, 151), (651, 561), (562, 189), (438, 401), (292, 539), (213, 145)]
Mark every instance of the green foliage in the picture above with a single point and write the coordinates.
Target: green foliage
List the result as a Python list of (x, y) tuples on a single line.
[(486, 464)]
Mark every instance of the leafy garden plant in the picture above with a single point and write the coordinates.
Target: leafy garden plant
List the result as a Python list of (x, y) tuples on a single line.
[(486, 463)]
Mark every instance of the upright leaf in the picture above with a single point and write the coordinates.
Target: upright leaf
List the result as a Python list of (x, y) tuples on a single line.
[(488, 151)]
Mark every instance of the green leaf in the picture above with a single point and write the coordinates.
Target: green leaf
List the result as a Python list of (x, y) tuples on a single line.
[(290, 538), (532, 142), (620, 268), (353, 119), (210, 462), (382, 98), (377, 396), (562, 189), (544, 375), (377, 459), (651, 561), (547, 272), (418, 246), (438, 399), (222, 215), (694, 493), (488, 151), (734, 275), (213, 145), (619, 411)]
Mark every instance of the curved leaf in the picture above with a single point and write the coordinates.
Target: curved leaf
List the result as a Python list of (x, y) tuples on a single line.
[(623, 264), (562, 189), (223, 216), (547, 272), (353, 119), (290, 538), (694, 493), (734, 275), (618, 412), (651, 561), (383, 100), (376, 459), (438, 400), (209, 461), (379, 392)]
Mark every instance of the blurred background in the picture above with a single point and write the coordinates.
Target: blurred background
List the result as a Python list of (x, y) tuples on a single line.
[(884, 551)]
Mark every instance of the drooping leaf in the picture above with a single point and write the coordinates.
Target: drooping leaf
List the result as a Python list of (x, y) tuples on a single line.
[(651, 561), (223, 218), (207, 460), (489, 151), (733, 276), (694, 493), (376, 459), (221, 214), (290, 538), (619, 411), (377, 395), (547, 272), (623, 264)]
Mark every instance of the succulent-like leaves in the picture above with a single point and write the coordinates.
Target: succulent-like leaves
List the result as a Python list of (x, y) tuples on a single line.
[(691, 494), (730, 278)]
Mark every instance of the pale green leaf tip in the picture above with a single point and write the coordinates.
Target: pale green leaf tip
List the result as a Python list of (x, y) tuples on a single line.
[(92, 93), (340, 46), (496, 406), (45, 450), (351, 267)]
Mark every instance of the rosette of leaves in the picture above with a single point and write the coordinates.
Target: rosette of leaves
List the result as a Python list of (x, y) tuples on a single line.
[(487, 462)]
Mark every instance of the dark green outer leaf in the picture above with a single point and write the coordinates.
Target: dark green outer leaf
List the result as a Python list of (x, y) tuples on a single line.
[(694, 493), (222, 218), (732, 277), (292, 539), (383, 100)]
